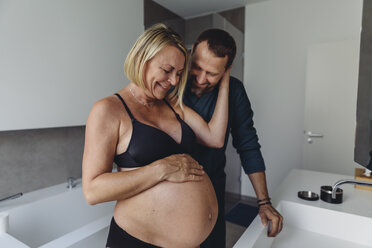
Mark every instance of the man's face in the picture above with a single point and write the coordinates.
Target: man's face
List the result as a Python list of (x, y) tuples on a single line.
[(206, 69)]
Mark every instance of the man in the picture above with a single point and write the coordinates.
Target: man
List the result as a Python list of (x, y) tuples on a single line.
[(212, 54)]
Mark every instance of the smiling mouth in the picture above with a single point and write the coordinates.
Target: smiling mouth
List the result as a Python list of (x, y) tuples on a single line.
[(195, 83), (203, 84), (166, 88)]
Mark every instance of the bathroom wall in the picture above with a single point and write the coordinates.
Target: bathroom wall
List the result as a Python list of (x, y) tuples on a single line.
[(277, 35), (195, 26), (155, 13), (236, 17), (52, 52), (33, 159)]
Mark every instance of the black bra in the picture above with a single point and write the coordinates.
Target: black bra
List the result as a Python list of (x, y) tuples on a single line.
[(149, 144)]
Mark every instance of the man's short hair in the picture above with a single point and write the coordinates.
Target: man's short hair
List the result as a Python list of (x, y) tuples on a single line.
[(220, 42)]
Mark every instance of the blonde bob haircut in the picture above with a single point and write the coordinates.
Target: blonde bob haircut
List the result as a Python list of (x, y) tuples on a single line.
[(152, 41)]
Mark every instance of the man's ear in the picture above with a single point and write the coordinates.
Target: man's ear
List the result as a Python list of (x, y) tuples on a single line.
[(229, 68)]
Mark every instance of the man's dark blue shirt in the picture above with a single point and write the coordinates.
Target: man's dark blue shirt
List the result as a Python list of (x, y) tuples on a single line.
[(240, 124)]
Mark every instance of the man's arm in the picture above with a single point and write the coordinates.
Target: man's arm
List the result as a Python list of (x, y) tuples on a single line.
[(245, 141), (244, 135), (266, 211)]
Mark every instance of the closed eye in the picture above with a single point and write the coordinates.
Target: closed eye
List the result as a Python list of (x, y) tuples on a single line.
[(212, 74), (195, 66)]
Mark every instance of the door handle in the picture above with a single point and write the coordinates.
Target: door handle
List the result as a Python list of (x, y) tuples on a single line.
[(314, 135), (311, 135)]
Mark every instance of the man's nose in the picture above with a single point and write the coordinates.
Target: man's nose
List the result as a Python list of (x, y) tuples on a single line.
[(201, 77)]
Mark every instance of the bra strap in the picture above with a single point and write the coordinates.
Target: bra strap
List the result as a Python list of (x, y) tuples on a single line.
[(170, 107), (125, 105)]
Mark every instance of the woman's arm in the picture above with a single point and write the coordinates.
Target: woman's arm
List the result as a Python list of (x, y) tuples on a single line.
[(101, 137), (212, 134), (100, 184)]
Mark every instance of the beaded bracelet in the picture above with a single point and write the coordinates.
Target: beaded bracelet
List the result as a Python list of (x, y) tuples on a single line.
[(265, 203), (266, 199)]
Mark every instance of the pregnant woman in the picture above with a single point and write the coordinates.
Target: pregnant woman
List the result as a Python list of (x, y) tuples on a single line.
[(164, 198)]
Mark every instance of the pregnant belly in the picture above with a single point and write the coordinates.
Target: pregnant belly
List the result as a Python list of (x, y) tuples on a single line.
[(170, 214)]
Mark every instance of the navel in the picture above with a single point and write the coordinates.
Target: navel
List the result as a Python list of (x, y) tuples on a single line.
[(210, 216)]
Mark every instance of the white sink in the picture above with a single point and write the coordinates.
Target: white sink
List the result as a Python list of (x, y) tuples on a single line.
[(308, 227)]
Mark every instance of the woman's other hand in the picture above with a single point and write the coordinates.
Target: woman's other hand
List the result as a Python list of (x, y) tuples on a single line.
[(225, 80)]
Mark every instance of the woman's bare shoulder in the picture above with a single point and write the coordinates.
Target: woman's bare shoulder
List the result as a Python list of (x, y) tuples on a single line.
[(106, 112), (106, 107)]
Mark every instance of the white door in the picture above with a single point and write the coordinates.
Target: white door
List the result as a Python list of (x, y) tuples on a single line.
[(330, 107)]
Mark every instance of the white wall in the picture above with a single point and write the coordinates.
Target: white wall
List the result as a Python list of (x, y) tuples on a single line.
[(277, 35), (58, 57)]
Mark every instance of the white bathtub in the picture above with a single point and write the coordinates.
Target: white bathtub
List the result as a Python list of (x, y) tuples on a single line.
[(58, 217)]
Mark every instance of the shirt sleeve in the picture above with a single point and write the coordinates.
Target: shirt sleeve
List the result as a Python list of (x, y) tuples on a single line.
[(244, 135)]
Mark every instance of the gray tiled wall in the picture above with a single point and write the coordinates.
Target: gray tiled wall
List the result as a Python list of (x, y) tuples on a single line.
[(195, 26), (155, 13), (33, 159)]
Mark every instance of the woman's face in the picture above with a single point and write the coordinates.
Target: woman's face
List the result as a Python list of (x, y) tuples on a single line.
[(163, 71)]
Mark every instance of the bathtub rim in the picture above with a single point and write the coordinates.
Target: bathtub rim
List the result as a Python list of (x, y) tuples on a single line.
[(79, 234), (37, 195)]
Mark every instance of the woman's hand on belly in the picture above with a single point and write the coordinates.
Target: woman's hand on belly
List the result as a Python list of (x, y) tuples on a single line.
[(180, 168)]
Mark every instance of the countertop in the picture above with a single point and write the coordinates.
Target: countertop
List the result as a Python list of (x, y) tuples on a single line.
[(355, 201)]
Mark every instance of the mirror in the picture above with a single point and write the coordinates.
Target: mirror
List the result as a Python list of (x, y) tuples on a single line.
[(363, 134)]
